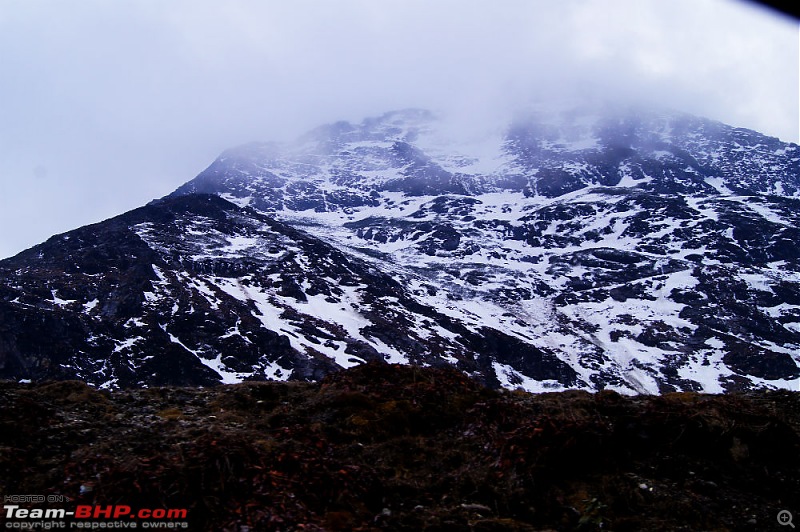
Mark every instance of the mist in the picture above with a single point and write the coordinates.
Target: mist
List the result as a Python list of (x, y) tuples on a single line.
[(107, 105)]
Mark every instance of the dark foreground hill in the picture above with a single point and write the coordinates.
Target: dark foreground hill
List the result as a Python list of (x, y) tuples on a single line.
[(384, 447)]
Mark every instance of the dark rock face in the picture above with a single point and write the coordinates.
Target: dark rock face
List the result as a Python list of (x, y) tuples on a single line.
[(594, 248), (163, 294)]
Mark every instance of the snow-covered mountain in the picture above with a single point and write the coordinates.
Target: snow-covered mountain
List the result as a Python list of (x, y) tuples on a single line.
[(599, 247)]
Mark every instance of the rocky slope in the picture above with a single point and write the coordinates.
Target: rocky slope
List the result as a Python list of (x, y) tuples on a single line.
[(643, 251)]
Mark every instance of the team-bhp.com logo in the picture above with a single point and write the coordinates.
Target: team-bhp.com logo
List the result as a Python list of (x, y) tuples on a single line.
[(94, 517)]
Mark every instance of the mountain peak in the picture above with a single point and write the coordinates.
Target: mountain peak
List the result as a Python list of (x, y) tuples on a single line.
[(545, 151)]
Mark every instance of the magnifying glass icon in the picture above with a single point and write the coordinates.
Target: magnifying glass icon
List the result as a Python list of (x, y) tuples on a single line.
[(785, 518)]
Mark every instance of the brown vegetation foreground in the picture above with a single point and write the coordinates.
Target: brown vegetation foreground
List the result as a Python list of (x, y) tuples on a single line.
[(383, 447)]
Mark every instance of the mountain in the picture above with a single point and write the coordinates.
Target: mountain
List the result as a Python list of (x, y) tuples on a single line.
[(576, 247)]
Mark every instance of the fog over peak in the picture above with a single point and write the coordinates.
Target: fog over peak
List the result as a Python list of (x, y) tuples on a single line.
[(106, 105)]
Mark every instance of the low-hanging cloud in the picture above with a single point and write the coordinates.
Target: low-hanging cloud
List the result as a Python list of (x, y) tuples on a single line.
[(106, 105)]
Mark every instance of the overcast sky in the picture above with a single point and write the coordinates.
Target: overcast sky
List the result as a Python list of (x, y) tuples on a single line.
[(107, 104)]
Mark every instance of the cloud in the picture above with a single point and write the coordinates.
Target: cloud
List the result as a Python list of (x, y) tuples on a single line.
[(123, 101)]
